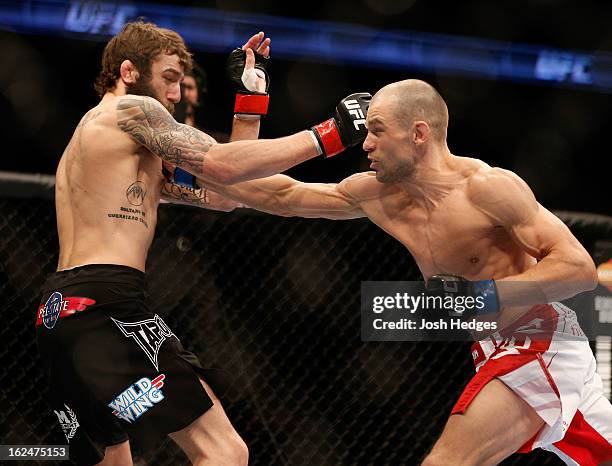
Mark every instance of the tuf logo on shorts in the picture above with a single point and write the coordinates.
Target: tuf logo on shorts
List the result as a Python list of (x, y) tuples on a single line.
[(138, 398), (149, 334), (69, 424)]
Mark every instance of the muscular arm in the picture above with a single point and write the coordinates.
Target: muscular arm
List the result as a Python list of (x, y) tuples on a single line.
[(282, 195), (150, 124), (177, 194), (242, 130), (564, 267)]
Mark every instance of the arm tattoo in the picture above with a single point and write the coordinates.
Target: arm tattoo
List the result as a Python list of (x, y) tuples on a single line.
[(175, 193), (149, 123)]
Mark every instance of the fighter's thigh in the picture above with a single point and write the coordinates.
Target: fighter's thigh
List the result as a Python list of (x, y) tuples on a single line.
[(212, 436), (495, 425)]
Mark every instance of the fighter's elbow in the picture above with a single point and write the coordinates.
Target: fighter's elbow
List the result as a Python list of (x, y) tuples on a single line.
[(588, 273), (581, 268), (576, 266)]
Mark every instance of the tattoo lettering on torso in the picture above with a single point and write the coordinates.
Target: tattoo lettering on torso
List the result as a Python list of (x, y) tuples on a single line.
[(128, 213), (135, 194)]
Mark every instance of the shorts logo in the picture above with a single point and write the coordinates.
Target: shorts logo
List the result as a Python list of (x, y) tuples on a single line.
[(150, 334), (57, 306), (69, 424), (51, 309), (138, 398), (511, 345)]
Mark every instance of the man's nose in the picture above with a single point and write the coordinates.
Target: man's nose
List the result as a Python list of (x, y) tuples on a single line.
[(174, 94), (368, 144)]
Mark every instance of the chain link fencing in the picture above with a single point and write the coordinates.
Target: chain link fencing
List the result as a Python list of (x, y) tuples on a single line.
[(274, 301)]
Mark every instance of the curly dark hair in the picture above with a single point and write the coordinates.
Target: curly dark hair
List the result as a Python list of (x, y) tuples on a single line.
[(141, 43)]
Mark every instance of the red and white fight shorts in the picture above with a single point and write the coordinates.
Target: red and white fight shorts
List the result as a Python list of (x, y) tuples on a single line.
[(545, 358)]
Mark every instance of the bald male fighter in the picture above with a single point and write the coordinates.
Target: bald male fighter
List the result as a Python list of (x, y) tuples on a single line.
[(467, 221), (116, 370)]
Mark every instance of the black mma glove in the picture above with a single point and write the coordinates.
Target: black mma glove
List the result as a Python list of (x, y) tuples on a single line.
[(251, 102), (347, 127)]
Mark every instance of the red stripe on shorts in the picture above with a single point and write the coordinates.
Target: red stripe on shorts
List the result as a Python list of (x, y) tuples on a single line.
[(73, 304), (517, 355), (584, 444)]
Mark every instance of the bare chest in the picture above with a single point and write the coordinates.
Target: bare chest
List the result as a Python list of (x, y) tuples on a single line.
[(451, 237)]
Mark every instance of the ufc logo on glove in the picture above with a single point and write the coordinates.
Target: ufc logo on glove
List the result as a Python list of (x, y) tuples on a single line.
[(355, 109)]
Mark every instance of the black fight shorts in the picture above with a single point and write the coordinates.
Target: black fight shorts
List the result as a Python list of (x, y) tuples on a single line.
[(116, 370)]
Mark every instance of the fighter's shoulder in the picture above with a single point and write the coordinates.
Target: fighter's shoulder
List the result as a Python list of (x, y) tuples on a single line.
[(501, 194), (131, 103), (361, 186), (487, 181), (109, 109)]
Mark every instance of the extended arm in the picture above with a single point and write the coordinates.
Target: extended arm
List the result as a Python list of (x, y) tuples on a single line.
[(564, 267), (200, 197), (150, 124), (180, 187), (197, 195), (282, 195)]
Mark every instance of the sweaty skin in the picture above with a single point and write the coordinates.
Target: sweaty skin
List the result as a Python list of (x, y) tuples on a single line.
[(455, 215)]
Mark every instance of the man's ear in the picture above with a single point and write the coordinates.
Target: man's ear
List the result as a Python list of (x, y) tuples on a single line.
[(128, 72), (421, 132)]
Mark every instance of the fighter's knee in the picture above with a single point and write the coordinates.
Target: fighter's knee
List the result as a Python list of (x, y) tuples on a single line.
[(236, 452), (445, 457), (433, 459), (240, 452), (430, 460), (231, 451)]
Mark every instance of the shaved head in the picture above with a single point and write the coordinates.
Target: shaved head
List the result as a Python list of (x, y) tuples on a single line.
[(414, 100)]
